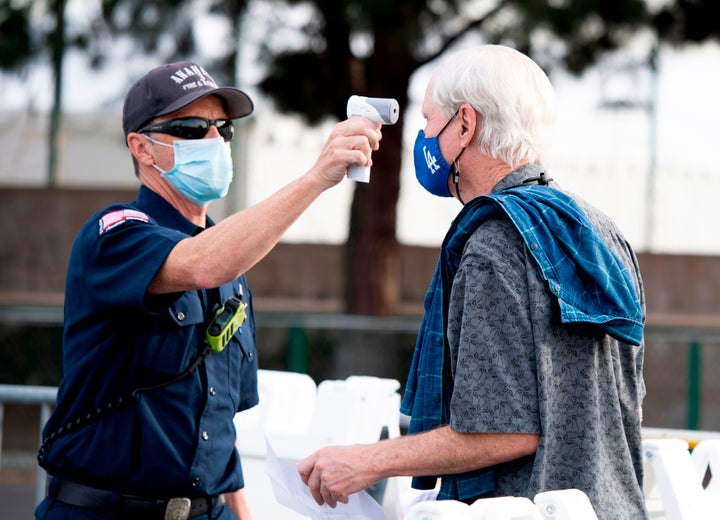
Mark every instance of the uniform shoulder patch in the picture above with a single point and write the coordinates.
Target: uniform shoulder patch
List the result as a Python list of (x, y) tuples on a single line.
[(117, 217)]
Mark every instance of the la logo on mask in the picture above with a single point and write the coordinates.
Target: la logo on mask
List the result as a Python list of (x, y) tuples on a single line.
[(431, 169), (427, 150), (431, 161)]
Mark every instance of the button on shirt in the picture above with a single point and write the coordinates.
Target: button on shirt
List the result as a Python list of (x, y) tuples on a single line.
[(178, 440)]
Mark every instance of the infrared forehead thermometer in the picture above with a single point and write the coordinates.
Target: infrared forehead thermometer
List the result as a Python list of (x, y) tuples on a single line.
[(381, 111)]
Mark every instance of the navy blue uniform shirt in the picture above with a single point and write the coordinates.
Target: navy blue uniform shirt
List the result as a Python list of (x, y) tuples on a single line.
[(178, 440)]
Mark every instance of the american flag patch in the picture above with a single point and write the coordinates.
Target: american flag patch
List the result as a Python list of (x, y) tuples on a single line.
[(115, 218)]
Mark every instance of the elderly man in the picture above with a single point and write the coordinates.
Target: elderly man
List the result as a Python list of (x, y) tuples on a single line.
[(159, 341), (527, 373)]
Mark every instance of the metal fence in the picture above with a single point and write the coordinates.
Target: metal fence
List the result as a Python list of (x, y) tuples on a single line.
[(680, 362), (44, 396)]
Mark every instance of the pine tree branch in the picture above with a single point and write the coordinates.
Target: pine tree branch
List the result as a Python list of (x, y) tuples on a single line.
[(471, 26)]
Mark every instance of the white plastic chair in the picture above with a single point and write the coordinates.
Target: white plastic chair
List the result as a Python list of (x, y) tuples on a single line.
[(439, 510), (504, 508), (706, 455), (361, 409), (408, 496), (298, 417), (565, 504), (355, 410), (286, 407), (672, 482), (284, 413)]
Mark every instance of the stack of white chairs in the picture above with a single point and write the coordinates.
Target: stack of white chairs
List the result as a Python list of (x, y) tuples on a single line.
[(297, 418), (285, 411), (439, 510), (564, 504), (674, 479), (356, 409), (706, 459), (504, 508)]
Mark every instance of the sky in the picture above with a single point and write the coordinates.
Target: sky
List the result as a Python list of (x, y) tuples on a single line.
[(603, 155)]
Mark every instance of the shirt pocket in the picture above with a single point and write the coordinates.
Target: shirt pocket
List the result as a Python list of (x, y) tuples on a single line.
[(174, 340)]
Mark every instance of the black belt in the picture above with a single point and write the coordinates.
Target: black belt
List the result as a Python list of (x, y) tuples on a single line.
[(181, 508)]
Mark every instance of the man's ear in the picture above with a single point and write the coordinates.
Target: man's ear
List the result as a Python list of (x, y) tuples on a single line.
[(140, 149), (469, 121)]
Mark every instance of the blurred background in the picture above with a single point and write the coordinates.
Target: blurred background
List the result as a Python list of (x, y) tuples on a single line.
[(636, 85)]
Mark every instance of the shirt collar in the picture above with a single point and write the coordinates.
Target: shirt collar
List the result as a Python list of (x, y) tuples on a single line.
[(165, 213), (519, 177)]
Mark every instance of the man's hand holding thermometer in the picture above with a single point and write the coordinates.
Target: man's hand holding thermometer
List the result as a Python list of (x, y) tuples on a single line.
[(381, 111)]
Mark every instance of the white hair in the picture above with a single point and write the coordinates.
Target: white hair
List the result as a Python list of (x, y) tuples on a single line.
[(510, 92)]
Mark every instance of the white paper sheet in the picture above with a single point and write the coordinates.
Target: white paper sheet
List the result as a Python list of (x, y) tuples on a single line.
[(292, 492)]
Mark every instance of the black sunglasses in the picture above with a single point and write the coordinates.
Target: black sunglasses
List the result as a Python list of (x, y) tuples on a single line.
[(192, 127)]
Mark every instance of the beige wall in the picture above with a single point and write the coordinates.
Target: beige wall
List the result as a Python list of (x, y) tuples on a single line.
[(38, 225)]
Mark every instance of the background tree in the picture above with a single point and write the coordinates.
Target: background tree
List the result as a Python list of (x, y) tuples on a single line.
[(373, 47), (21, 42), (370, 47), (683, 21), (15, 38), (35, 31), (32, 31)]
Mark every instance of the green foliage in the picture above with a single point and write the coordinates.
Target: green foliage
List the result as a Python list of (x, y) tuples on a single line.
[(688, 21), (162, 27), (15, 40), (583, 29), (146, 23), (316, 80), (294, 90)]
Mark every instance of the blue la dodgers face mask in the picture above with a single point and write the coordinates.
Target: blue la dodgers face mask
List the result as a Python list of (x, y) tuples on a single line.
[(431, 168), (202, 171)]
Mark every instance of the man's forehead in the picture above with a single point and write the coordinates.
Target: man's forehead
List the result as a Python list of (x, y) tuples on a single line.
[(429, 108)]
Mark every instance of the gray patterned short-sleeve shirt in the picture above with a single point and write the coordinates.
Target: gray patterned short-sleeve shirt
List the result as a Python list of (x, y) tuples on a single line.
[(517, 369)]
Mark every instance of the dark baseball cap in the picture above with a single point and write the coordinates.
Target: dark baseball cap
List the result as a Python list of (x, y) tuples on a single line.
[(172, 86)]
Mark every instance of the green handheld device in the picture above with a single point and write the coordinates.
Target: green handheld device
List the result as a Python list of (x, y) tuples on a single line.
[(225, 324)]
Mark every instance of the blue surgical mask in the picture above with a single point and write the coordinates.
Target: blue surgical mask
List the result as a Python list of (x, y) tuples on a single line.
[(203, 169), (431, 168)]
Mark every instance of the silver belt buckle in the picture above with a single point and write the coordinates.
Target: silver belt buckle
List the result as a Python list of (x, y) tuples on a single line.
[(178, 509)]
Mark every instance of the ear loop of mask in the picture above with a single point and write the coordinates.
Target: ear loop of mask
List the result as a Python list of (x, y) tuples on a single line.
[(455, 163), (456, 171), (154, 164), (456, 176)]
